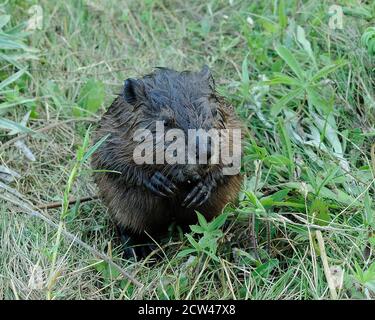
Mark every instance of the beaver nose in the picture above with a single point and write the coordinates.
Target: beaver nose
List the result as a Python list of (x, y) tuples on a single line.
[(203, 148)]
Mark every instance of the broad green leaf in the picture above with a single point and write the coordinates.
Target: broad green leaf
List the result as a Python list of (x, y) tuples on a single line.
[(254, 200), (4, 19), (185, 252), (278, 106), (202, 220), (12, 78), (280, 78), (91, 96), (194, 243), (206, 25), (328, 130), (328, 177), (286, 145), (23, 122), (301, 38), (197, 229), (277, 160), (10, 104), (358, 11), (322, 73), (337, 196), (276, 197), (283, 19), (13, 126), (370, 285), (265, 269), (287, 56), (315, 99), (6, 43), (218, 222), (319, 213)]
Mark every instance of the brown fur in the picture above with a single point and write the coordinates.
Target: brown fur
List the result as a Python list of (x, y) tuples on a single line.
[(129, 202)]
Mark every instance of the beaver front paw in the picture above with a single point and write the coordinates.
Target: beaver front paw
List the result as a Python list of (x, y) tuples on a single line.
[(198, 196), (160, 185)]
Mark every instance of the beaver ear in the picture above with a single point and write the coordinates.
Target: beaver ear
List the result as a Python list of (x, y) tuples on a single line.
[(206, 75), (131, 90)]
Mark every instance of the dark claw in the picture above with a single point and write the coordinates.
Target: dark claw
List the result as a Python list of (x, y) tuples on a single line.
[(206, 196), (151, 187), (199, 199), (191, 194), (160, 185), (197, 196)]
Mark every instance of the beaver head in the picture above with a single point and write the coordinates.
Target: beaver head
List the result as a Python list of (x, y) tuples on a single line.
[(186, 101)]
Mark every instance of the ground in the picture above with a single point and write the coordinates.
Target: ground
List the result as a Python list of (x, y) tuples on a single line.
[(300, 75)]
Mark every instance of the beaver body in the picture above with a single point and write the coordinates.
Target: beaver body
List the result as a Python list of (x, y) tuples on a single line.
[(146, 198)]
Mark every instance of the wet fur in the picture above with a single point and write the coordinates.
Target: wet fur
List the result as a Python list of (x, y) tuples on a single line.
[(130, 203)]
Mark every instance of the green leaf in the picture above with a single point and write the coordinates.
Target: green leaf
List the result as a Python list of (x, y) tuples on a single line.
[(194, 243), (91, 96), (277, 107), (8, 44), (10, 104), (276, 197), (328, 177), (338, 196), (197, 229), (4, 19), (11, 125), (278, 160), (185, 252), (283, 19), (301, 38), (287, 56), (319, 213), (265, 269), (52, 89), (315, 99), (280, 78), (81, 156), (94, 148), (12, 78), (322, 73), (286, 145), (370, 285), (358, 11), (254, 200), (202, 220), (205, 26), (218, 222)]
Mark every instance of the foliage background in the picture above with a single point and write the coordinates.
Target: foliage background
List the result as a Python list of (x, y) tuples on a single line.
[(305, 91)]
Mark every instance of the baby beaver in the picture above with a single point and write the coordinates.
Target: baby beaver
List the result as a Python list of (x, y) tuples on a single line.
[(145, 197)]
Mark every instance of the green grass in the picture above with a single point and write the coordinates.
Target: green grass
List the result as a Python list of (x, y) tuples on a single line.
[(306, 93)]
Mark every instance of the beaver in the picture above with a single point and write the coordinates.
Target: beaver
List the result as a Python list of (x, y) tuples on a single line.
[(145, 198)]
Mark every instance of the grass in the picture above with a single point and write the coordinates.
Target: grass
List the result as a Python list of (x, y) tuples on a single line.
[(306, 93)]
